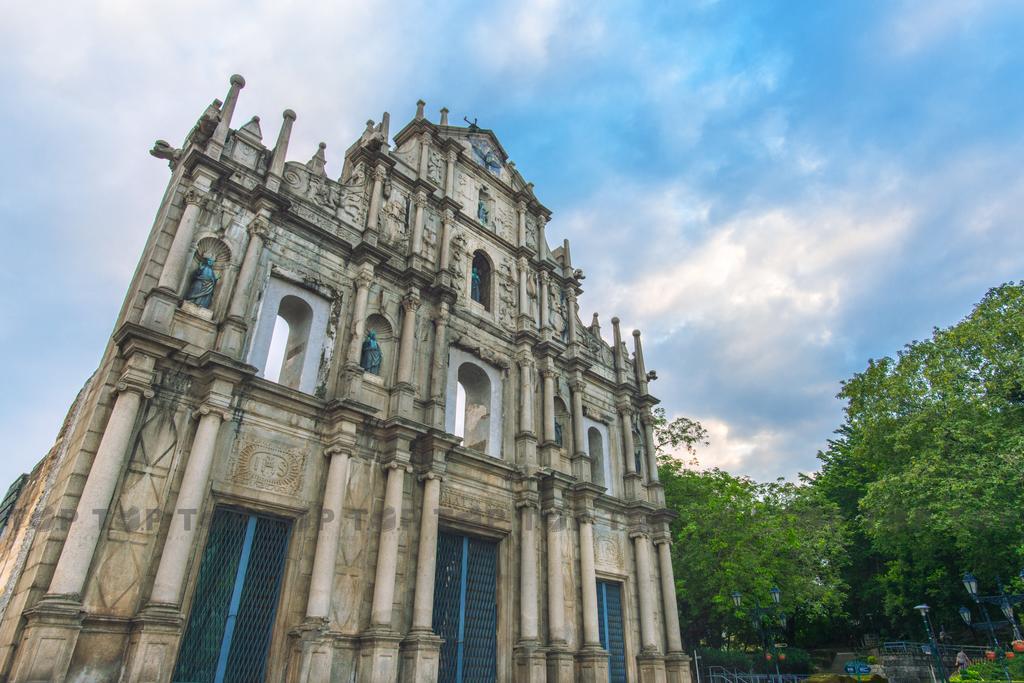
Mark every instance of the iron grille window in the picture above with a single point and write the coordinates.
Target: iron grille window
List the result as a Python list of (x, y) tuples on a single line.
[(465, 609), (229, 628), (609, 622)]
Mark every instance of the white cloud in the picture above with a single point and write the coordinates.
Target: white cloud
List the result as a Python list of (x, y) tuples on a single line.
[(919, 26)]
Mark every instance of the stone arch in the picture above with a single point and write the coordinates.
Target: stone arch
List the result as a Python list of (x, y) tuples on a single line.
[(290, 334), (597, 445), (484, 268)]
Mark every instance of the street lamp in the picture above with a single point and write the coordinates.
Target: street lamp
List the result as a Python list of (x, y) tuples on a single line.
[(965, 614), (764, 618), (776, 594), (971, 584), (923, 609), (737, 599)]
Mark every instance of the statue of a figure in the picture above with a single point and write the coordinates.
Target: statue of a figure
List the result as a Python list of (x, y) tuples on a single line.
[(200, 290), (481, 211), (474, 289), (558, 433), (372, 357)]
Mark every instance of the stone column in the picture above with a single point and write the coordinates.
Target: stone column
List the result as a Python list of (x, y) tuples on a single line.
[(652, 453), (373, 214), (521, 218), (318, 606), (363, 280), (526, 396), (426, 554), (94, 503), (673, 638), (556, 587), (542, 242), (416, 243), (572, 312), (544, 302), (232, 335), (593, 659), (449, 174), (549, 404), (387, 550), (424, 152), (581, 462), (439, 367), (633, 479), (177, 255), (648, 633), (524, 298), (407, 344), (444, 256), (181, 536), (527, 571)]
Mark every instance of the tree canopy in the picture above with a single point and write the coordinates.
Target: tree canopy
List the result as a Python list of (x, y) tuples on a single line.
[(923, 481)]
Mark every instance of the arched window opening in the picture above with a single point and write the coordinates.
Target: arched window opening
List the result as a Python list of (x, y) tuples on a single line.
[(480, 280), (289, 341), (596, 449), (278, 342), (561, 424), (475, 389)]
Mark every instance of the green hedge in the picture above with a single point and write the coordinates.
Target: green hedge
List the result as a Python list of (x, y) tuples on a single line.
[(991, 671)]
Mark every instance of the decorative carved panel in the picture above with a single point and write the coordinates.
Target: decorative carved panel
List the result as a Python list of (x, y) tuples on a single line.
[(268, 467)]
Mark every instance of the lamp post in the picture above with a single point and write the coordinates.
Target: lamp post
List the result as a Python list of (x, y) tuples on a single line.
[(774, 615), (923, 609)]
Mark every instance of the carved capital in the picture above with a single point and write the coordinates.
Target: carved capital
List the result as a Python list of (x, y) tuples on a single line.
[(661, 538), (452, 156), (132, 384), (523, 264), (363, 278), (194, 196), (337, 449), (442, 315), (208, 408), (585, 517), (547, 373), (396, 465), (625, 407), (527, 504), (521, 206), (411, 301), (420, 198), (380, 173), (259, 228), (578, 386), (639, 532), (449, 217), (543, 277), (426, 476)]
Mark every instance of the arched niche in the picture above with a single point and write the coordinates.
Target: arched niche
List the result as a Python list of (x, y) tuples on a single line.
[(563, 430), (481, 280), (213, 248), (381, 327), (473, 402)]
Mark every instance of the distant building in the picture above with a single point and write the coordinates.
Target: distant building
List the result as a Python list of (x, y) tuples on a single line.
[(347, 429)]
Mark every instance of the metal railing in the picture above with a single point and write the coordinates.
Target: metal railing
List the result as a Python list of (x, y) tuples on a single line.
[(911, 649), (719, 674)]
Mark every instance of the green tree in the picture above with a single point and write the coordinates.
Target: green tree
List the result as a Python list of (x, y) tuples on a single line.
[(733, 533), (927, 468)]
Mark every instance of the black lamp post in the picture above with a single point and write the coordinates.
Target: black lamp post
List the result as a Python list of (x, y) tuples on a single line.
[(923, 609), (758, 615)]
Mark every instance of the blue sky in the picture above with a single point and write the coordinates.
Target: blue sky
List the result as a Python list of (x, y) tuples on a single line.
[(772, 192)]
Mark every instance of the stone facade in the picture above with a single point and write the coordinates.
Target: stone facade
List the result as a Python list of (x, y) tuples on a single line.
[(433, 241)]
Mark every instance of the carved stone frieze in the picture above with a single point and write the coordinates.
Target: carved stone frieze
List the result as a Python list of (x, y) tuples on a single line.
[(459, 503)]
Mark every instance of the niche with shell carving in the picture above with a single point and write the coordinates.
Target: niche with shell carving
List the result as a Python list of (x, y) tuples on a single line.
[(213, 248)]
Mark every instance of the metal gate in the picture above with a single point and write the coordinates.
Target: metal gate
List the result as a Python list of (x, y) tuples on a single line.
[(236, 596), (609, 623), (465, 609)]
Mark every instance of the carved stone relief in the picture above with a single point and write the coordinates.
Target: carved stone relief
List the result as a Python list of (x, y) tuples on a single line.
[(269, 467), (434, 167), (607, 551), (507, 293)]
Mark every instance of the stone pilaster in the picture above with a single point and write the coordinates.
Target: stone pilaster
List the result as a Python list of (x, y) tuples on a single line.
[(445, 248), (548, 445), (416, 242), (376, 193), (449, 174), (232, 333), (521, 223), (543, 304), (633, 479)]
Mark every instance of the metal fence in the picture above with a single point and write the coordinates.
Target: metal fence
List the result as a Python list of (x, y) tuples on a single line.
[(947, 651), (719, 674)]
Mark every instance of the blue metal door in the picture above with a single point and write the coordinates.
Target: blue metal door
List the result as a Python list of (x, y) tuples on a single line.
[(228, 630), (465, 609), (609, 623)]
